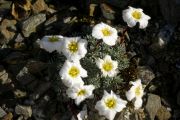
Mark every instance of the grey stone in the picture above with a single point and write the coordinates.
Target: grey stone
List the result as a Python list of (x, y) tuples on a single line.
[(26, 111), (20, 118), (30, 25), (153, 105), (145, 73), (51, 20), (2, 113), (19, 38)]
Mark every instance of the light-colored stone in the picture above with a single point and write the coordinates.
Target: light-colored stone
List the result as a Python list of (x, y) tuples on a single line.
[(153, 105), (19, 93), (2, 113), (30, 25), (26, 111)]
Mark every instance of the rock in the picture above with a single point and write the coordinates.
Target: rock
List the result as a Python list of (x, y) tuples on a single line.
[(21, 9), (92, 8), (19, 38), (153, 105), (4, 77), (24, 77), (145, 73), (36, 66), (14, 58), (51, 20), (9, 116), (163, 114), (30, 25), (20, 118), (38, 113), (19, 93), (26, 111), (130, 114), (2, 113), (107, 11), (8, 29), (39, 6), (124, 115), (152, 88)]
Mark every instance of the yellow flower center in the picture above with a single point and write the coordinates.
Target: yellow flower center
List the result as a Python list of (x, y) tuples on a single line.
[(138, 91), (74, 72), (53, 39), (73, 47), (108, 66), (137, 15), (110, 103), (81, 92), (106, 32)]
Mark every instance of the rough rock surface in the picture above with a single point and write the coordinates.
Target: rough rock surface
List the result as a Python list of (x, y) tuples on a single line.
[(153, 105), (26, 111), (30, 25)]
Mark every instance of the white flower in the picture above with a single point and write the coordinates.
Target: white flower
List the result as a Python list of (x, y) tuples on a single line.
[(51, 43), (81, 115), (108, 66), (74, 48), (134, 15), (80, 92), (106, 33), (136, 91), (110, 104), (71, 73)]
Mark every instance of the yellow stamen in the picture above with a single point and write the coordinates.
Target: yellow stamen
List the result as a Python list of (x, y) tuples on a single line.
[(108, 66), (74, 72), (110, 103), (73, 47), (53, 39), (106, 32), (81, 92), (137, 15), (138, 91)]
